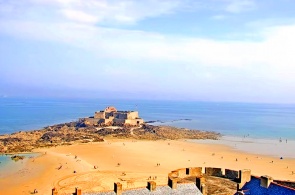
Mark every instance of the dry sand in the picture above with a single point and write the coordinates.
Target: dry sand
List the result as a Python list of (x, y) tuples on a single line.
[(132, 163)]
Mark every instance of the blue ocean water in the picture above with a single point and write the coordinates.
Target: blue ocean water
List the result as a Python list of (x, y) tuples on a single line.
[(256, 120)]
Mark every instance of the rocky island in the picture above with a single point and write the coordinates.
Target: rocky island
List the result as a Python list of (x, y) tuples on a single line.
[(77, 132), (109, 123)]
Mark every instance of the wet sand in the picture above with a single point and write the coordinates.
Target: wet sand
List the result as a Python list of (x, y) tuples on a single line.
[(132, 163), (271, 147)]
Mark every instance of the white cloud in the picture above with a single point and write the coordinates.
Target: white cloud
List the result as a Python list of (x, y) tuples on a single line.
[(219, 17), (107, 12), (238, 6), (273, 52), (79, 16), (115, 12), (206, 62)]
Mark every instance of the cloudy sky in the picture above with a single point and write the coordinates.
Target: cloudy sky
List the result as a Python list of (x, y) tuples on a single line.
[(203, 50)]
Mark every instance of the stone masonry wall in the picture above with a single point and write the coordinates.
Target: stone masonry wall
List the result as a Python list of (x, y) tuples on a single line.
[(231, 174), (210, 171)]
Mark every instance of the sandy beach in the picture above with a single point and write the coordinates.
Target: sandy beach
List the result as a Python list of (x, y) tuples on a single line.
[(96, 166)]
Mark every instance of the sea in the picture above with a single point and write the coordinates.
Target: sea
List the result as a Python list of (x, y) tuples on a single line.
[(231, 119), (255, 120), (9, 166)]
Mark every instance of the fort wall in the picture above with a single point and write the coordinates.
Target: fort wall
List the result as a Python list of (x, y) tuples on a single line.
[(119, 121), (100, 115), (265, 181), (194, 171), (132, 115), (118, 188), (119, 115), (231, 174), (78, 191), (211, 171), (172, 183), (200, 181), (111, 116), (151, 186), (244, 176), (241, 177)]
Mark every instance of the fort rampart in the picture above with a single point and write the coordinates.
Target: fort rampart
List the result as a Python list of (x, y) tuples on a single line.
[(197, 176)]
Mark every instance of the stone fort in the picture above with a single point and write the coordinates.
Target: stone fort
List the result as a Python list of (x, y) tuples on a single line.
[(197, 181), (111, 116)]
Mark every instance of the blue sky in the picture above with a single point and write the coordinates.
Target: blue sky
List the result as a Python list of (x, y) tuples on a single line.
[(203, 50)]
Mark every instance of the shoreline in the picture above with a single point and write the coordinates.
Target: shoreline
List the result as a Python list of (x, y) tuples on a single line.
[(56, 167), (268, 147), (9, 166), (257, 146), (133, 154)]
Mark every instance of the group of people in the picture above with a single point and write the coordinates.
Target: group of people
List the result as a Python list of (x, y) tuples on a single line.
[(282, 141), (152, 178)]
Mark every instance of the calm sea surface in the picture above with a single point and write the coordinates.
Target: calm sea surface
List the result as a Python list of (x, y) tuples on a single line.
[(8, 166), (256, 120)]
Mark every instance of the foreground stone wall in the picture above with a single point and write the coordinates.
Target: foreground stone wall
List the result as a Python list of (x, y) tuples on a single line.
[(265, 181), (231, 174), (194, 171), (212, 171), (193, 176), (245, 176)]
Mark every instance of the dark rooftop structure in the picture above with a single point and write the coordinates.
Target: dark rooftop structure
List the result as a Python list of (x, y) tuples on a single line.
[(256, 186)]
